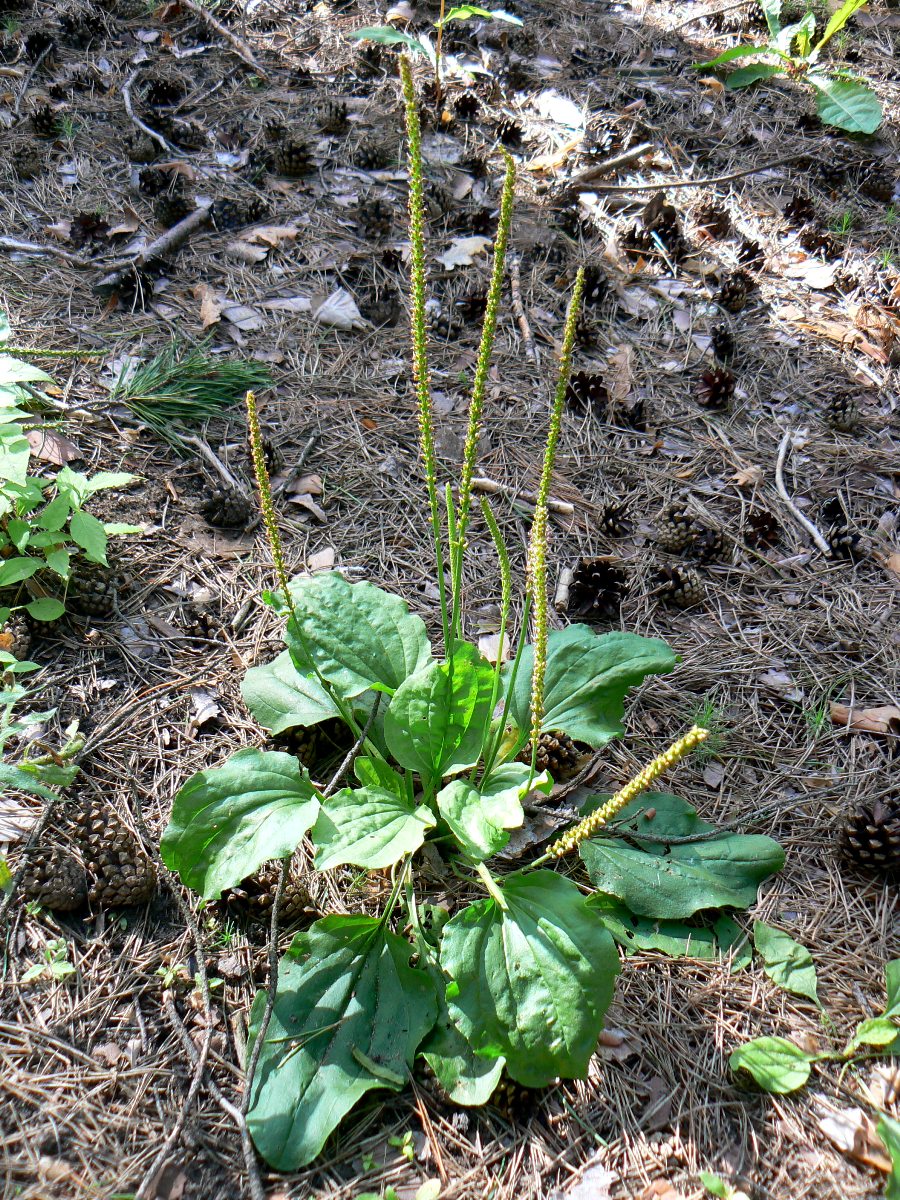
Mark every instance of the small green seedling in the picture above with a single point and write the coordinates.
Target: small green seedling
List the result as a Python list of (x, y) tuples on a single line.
[(841, 100), (56, 963)]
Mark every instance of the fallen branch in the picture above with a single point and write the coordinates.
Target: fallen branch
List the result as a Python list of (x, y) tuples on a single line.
[(515, 291), (240, 47), (167, 242), (8, 243), (598, 170), (698, 183), (798, 516), (136, 120)]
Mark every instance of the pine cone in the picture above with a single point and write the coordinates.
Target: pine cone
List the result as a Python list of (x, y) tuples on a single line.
[(708, 545), (761, 528), (675, 528), (54, 880), (40, 43), (332, 117), (140, 148), (715, 389), (877, 181), (841, 412), (153, 181), (604, 138), (612, 518), (596, 286), (750, 253), (715, 220), (681, 586), (45, 123), (586, 393), (722, 342), (79, 32), (870, 836), (515, 1102), (800, 208), (586, 332), (27, 161), (556, 753), (291, 158), (371, 154), (818, 241), (15, 636), (235, 214), (87, 227), (381, 306), (164, 91), (228, 508), (734, 290), (375, 218), (254, 896), (833, 175), (509, 134), (314, 745), (596, 589), (119, 872), (472, 306), (169, 210), (130, 10), (467, 106), (843, 542), (272, 455), (93, 589)]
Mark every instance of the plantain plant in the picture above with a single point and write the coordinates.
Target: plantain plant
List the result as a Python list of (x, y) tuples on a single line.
[(514, 973)]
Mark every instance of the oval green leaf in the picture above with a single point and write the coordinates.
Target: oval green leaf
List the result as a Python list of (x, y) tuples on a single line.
[(846, 104), (279, 697), (228, 821), (479, 818), (787, 963), (533, 982), (776, 1064), (368, 827)]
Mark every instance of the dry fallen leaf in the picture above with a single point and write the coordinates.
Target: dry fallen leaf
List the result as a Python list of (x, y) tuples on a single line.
[(311, 507), (489, 645), (620, 374), (52, 447), (891, 562), (748, 476), (296, 304), (272, 235), (853, 1132), (339, 311), (781, 684), (867, 720), (130, 223), (462, 251), (322, 560), (307, 485), (712, 85), (243, 252), (242, 317), (210, 305)]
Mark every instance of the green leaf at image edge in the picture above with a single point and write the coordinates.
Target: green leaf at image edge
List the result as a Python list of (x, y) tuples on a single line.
[(888, 1130), (228, 821), (349, 1016), (846, 104), (532, 982), (776, 1064), (744, 76), (787, 962)]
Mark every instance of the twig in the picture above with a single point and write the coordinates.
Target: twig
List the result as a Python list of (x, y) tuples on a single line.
[(213, 460), (798, 516), (241, 48), (683, 183), (598, 170), (717, 12), (8, 243), (136, 120), (28, 78), (171, 240), (515, 291)]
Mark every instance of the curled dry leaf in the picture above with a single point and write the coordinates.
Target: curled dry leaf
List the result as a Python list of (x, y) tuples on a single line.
[(621, 374), (339, 310), (853, 1132), (272, 235), (244, 252), (52, 447), (211, 305), (867, 720), (462, 252)]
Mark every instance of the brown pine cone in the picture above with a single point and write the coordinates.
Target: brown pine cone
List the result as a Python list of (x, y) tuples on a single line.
[(556, 753), (291, 158), (254, 896), (228, 508), (714, 219), (27, 161), (800, 208), (870, 836), (586, 393), (715, 389), (761, 528), (332, 117), (681, 586), (675, 528), (708, 545), (841, 412), (45, 123), (596, 589), (54, 879), (120, 874), (734, 290), (877, 181), (722, 342), (612, 518), (375, 218), (371, 154), (15, 636)]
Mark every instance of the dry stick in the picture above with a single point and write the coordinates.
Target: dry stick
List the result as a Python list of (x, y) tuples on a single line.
[(213, 459), (241, 48), (807, 524), (717, 12), (198, 1059), (171, 240), (136, 120), (612, 164), (272, 948), (683, 183), (28, 78), (515, 291), (7, 243)]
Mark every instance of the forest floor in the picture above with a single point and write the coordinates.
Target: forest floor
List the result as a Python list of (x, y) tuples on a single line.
[(311, 283)]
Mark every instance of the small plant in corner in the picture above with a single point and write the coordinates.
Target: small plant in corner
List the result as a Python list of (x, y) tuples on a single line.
[(514, 971), (841, 99)]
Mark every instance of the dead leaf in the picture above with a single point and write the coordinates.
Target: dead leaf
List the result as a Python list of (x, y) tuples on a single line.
[(620, 376), (62, 230), (109, 1053), (814, 274), (890, 562), (781, 684), (210, 305), (52, 447), (713, 774), (558, 158), (311, 507), (339, 311), (242, 317), (307, 485), (131, 223), (594, 1184), (867, 720), (661, 1189), (712, 85), (462, 251), (296, 304), (272, 235), (168, 1183), (322, 560), (400, 13), (748, 476), (853, 1132), (243, 252), (205, 709), (489, 645)]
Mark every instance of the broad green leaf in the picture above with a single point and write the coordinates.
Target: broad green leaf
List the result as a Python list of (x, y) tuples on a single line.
[(657, 878), (108, 479), (5, 330), (375, 772), (5, 878), (17, 370), (876, 1031), (787, 963), (839, 19), (468, 1078), (799, 30), (772, 11), (349, 1015), (368, 827), (14, 454), (89, 534), (675, 938), (228, 821), (19, 780), (531, 983), (74, 485), (55, 515), (59, 562), (462, 12), (438, 719), (846, 104), (14, 570), (356, 634), (744, 76), (889, 1131), (279, 697), (479, 817), (385, 35), (118, 528), (727, 56), (45, 608), (716, 1186), (587, 677), (892, 986), (776, 1064), (18, 533), (46, 540)]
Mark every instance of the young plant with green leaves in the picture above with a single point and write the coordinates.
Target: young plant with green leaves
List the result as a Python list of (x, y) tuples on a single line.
[(517, 971), (43, 520), (841, 99)]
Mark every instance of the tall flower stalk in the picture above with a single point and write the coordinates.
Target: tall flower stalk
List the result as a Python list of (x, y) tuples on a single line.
[(419, 326), (266, 504), (537, 545)]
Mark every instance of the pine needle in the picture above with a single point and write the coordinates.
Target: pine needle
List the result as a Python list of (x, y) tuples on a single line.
[(182, 388)]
